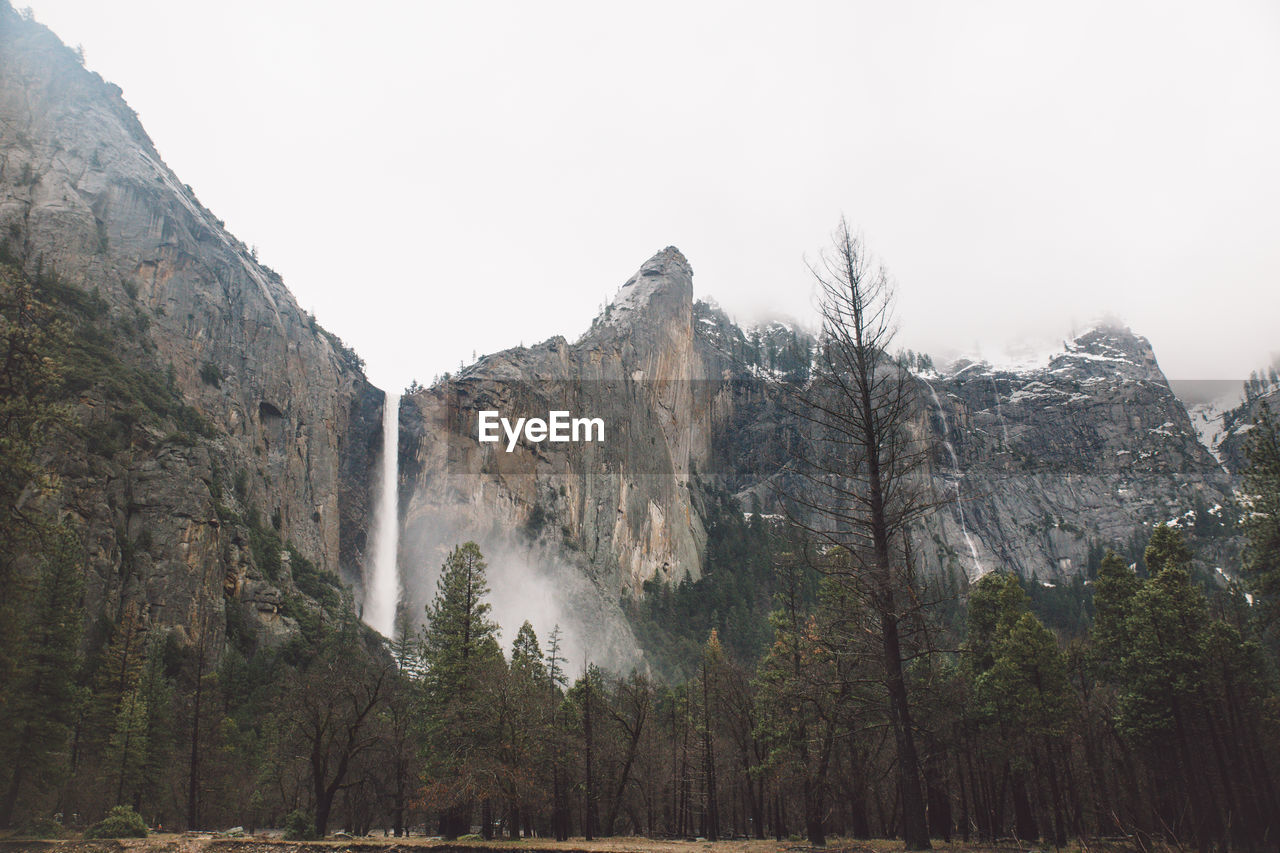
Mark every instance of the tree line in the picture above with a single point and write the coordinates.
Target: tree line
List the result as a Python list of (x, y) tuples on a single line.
[(873, 703)]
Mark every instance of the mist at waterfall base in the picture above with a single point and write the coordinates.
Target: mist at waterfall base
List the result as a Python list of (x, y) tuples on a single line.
[(527, 581)]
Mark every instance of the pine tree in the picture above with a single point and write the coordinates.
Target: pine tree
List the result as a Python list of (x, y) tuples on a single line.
[(525, 719), (462, 664), (556, 684), (1162, 666), (399, 716), (39, 702), (526, 655), (1114, 591), (798, 698), (1262, 519), (406, 648), (1021, 697), (712, 660), (155, 691), (460, 636), (118, 673), (1166, 550), (861, 492), (127, 746)]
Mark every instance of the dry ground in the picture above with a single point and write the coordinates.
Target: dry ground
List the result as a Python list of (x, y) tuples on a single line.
[(206, 843)]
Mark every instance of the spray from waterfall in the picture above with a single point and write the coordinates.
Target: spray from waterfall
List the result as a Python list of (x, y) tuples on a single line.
[(955, 478), (383, 588)]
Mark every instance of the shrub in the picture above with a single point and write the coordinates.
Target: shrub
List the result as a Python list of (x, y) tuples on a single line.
[(43, 827), (298, 826), (211, 374), (266, 548), (120, 822)]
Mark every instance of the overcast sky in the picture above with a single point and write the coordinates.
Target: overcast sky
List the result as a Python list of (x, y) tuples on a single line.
[(434, 179)]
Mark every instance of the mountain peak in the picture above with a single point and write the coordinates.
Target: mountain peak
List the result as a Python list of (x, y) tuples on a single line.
[(662, 287), (1110, 334), (665, 270), (1109, 349)]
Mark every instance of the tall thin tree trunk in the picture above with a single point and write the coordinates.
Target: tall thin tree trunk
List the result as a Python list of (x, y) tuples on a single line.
[(589, 820), (915, 833), (193, 781), (709, 763)]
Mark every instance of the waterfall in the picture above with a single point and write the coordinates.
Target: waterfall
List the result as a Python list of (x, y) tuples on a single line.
[(1004, 430), (383, 588), (955, 477)]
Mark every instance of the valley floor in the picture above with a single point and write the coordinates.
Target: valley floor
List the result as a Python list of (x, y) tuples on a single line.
[(202, 843)]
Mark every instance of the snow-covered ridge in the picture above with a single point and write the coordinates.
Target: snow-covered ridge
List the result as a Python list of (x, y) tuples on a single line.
[(1098, 353)]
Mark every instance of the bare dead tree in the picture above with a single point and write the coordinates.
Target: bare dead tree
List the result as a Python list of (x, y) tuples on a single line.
[(334, 702), (859, 486)]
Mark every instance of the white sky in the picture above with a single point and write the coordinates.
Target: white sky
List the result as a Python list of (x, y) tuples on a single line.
[(434, 179)]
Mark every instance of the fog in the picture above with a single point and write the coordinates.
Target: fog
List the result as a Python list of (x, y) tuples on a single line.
[(436, 180), (527, 580)]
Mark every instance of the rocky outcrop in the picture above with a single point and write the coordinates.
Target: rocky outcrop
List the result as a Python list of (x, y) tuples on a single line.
[(1236, 423), (1035, 469), (1089, 450), (577, 524), (291, 422), (1052, 462)]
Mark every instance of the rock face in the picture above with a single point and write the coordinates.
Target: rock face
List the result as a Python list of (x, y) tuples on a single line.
[(1034, 470), (573, 526), (1089, 450), (293, 424), (1236, 423)]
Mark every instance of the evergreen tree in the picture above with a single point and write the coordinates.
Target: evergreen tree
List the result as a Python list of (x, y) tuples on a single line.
[(1262, 520), (1160, 687), (117, 675), (156, 692), (557, 736), (406, 648), (798, 699), (862, 494), (460, 635), (526, 655), (127, 746), (38, 702), (525, 723), (462, 664), (1113, 595), (1021, 698), (1167, 549)]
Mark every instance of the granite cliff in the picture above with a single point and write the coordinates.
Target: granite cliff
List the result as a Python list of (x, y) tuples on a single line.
[(574, 528), (255, 469), (1035, 469)]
